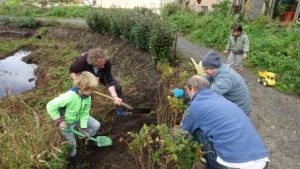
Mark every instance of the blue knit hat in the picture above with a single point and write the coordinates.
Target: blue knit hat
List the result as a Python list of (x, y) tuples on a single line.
[(211, 60)]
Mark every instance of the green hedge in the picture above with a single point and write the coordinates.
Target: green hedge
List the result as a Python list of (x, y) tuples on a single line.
[(139, 27)]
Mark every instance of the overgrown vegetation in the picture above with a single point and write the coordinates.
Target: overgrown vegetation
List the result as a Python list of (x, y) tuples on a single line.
[(140, 27), (162, 147), (33, 11), (273, 47), (28, 138)]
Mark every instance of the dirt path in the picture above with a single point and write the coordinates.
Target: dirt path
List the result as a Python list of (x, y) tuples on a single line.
[(275, 115)]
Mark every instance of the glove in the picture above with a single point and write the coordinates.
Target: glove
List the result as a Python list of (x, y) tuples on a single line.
[(177, 92)]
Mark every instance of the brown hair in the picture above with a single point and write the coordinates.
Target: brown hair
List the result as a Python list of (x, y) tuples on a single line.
[(237, 27), (94, 54)]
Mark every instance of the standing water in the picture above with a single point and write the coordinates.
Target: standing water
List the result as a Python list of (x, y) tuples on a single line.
[(15, 75)]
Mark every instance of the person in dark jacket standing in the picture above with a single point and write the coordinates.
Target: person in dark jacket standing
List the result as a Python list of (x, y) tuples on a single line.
[(229, 138), (95, 62)]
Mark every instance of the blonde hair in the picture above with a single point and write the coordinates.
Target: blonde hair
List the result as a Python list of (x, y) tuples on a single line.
[(86, 80), (94, 55)]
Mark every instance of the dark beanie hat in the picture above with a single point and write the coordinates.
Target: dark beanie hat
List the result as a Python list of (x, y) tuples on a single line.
[(211, 60)]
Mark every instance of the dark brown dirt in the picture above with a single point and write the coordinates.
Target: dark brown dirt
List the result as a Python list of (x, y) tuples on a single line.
[(138, 76)]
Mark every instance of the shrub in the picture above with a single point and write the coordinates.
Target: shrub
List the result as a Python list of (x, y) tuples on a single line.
[(4, 20), (139, 27), (170, 9), (26, 22), (161, 147)]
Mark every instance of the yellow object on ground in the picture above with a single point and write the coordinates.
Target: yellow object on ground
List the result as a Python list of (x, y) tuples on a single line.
[(266, 78), (198, 67)]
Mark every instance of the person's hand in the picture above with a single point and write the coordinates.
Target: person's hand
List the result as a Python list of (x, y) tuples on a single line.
[(58, 121), (63, 125), (245, 55), (87, 135), (117, 101), (225, 51), (177, 92)]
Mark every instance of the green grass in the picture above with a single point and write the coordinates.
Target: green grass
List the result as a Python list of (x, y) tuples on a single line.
[(272, 47), (29, 10), (28, 138), (8, 45)]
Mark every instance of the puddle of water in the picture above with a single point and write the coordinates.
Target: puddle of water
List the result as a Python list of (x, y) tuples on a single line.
[(16, 75)]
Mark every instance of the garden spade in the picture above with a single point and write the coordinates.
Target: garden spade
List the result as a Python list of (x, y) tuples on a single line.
[(101, 141)]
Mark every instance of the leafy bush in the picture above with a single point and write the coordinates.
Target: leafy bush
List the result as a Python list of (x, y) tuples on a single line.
[(170, 9), (140, 27), (161, 147), (26, 22), (272, 46), (4, 20), (182, 21)]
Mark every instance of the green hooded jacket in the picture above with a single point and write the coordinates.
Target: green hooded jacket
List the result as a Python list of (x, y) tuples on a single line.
[(77, 107)]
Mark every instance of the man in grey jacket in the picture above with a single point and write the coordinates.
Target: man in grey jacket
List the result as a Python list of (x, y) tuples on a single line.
[(226, 82)]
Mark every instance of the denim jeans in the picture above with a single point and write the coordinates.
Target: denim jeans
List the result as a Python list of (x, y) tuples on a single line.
[(93, 126), (210, 153)]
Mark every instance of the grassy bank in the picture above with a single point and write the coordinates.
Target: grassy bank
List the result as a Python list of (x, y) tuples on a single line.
[(273, 47), (27, 136), (28, 9)]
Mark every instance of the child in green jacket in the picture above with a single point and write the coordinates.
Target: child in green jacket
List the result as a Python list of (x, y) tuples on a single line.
[(238, 47), (76, 104)]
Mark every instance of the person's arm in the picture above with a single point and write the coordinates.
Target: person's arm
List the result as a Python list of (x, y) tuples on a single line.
[(78, 66), (246, 47), (113, 93), (109, 83), (227, 46), (54, 105), (73, 76), (221, 85), (84, 113), (188, 123)]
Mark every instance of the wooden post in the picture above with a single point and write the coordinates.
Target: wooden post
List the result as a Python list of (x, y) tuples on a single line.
[(297, 11)]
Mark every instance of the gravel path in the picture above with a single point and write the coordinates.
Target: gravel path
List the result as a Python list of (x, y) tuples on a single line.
[(276, 116)]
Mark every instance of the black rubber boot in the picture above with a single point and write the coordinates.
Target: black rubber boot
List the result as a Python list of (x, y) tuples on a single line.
[(75, 162)]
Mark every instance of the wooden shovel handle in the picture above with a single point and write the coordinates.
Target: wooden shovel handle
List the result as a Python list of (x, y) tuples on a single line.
[(111, 98)]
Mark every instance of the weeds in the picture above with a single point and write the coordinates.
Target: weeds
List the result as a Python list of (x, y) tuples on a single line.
[(161, 147), (272, 46)]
